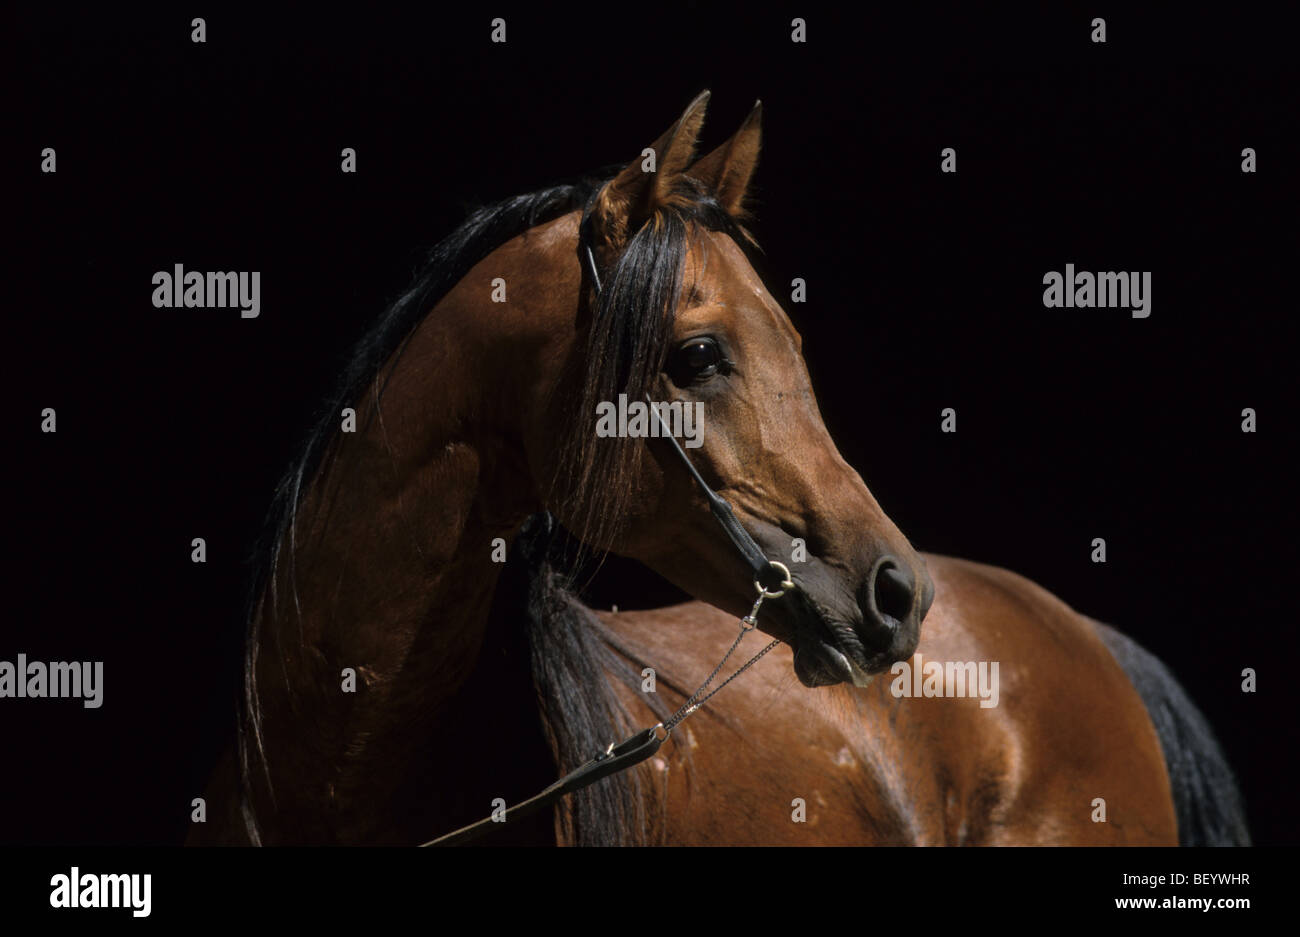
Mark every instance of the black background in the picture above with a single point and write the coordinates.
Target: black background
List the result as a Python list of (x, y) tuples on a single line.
[(925, 292)]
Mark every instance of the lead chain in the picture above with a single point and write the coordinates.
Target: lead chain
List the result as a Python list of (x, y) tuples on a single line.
[(747, 624)]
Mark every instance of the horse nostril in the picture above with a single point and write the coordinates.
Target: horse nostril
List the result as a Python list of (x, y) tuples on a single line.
[(887, 599), (893, 591)]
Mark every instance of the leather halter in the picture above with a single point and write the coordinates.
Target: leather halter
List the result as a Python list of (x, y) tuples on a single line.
[(636, 749)]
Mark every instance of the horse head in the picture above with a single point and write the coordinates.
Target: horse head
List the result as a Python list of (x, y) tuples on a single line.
[(672, 312)]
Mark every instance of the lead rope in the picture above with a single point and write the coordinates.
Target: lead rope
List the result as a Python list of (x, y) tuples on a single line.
[(636, 749)]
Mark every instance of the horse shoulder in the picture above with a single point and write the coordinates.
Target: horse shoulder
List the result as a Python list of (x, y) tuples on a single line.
[(766, 761), (1069, 737)]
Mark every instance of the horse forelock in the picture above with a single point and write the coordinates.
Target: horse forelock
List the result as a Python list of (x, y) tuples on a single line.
[(626, 343)]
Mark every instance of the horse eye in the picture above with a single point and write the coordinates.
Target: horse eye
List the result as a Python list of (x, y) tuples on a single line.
[(698, 358)]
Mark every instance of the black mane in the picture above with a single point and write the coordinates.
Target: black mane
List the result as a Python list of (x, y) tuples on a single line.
[(481, 233)]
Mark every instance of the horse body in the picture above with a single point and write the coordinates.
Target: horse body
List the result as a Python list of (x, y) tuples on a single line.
[(390, 695), (872, 768)]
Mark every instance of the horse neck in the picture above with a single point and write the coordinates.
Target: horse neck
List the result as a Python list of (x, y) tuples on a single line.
[(387, 565)]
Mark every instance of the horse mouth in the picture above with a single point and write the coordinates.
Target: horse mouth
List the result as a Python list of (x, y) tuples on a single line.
[(817, 663)]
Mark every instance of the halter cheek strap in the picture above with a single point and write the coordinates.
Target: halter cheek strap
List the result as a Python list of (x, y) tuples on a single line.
[(777, 576)]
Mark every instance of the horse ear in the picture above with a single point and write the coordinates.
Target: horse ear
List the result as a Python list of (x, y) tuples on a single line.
[(635, 193), (728, 169)]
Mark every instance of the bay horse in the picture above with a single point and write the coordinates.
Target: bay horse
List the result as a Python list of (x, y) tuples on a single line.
[(399, 680)]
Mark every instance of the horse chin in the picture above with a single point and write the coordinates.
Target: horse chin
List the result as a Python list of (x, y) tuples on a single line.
[(860, 677), (820, 664)]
